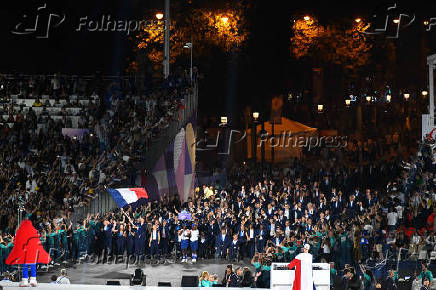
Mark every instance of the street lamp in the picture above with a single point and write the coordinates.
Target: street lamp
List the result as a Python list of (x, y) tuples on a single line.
[(396, 20), (388, 98), (253, 136), (424, 93), (188, 45), (223, 121), (357, 20), (347, 103), (406, 96), (320, 108), (368, 99), (159, 15), (307, 18)]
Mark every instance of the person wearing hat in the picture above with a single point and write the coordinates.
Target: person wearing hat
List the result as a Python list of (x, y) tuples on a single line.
[(303, 270)]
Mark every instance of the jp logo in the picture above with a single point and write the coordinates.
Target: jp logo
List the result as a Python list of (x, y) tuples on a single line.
[(390, 24), (224, 143), (39, 24)]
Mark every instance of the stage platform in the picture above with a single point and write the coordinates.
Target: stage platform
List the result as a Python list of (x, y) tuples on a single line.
[(99, 274), (44, 286)]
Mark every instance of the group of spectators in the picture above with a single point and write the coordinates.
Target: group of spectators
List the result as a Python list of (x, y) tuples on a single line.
[(350, 217), (260, 218), (50, 174)]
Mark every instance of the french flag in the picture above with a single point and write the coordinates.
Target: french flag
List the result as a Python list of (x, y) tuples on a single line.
[(125, 196)]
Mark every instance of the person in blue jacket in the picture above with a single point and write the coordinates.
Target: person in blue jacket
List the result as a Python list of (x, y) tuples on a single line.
[(130, 240), (234, 247), (140, 239), (222, 243), (121, 240), (107, 228), (261, 237)]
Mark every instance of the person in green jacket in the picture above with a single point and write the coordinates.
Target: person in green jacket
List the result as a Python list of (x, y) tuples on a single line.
[(206, 280), (75, 247), (425, 273)]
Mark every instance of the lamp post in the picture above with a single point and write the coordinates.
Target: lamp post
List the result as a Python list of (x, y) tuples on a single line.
[(388, 98), (166, 57), (368, 99), (262, 149), (272, 146), (320, 108), (189, 45), (254, 137), (223, 121)]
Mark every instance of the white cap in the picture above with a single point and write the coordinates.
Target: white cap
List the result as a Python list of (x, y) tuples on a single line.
[(307, 246)]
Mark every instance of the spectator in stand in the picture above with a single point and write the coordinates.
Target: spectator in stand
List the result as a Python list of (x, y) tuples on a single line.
[(37, 103), (392, 219), (426, 274)]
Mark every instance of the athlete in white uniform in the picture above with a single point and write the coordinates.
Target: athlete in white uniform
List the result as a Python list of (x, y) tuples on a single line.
[(194, 242)]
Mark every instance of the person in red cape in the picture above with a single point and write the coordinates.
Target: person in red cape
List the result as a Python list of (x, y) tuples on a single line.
[(303, 279), (28, 252)]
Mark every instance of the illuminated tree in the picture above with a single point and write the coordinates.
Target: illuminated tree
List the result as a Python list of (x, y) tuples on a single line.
[(305, 33), (348, 47), (223, 29), (151, 39)]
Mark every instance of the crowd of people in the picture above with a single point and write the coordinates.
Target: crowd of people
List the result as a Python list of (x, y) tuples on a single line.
[(351, 218), (50, 174), (258, 218)]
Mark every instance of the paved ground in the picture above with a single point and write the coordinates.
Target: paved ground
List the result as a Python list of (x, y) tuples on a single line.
[(98, 274)]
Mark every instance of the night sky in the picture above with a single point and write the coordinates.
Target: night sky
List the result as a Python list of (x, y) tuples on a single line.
[(262, 68)]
